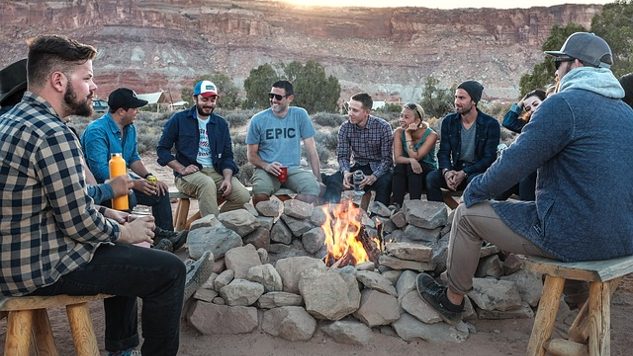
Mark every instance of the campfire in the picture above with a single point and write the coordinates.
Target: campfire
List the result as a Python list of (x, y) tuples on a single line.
[(346, 238)]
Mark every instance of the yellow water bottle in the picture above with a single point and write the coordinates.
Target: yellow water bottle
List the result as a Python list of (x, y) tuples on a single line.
[(117, 168)]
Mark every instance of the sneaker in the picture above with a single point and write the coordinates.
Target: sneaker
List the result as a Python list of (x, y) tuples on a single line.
[(164, 245), (434, 294), (197, 273), (128, 352), (177, 239)]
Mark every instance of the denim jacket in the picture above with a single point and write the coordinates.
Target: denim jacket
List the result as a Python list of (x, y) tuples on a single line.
[(181, 130), (487, 140)]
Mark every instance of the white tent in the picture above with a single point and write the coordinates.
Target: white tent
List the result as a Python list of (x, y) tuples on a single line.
[(157, 98)]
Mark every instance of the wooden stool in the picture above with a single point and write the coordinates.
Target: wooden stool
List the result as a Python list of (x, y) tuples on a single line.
[(28, 316), (449, 199), (364, 200), (590, 333)]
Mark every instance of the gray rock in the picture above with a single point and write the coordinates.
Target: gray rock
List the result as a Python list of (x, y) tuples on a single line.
[(280, 233), (410, 328), (492, 294), (290, 270), (223, 279), (217, 239), (213, 319), (270, 208), (405, 284), (205, 221), (392, 275), (266, 222), (377, 308), (266, 275), (414, 305), (329, 294), (263, 255), (512, 264), (260, 238), (348, 332), (296, 226), (279, 249), (289, 323), (240, 221), (396, 263), (529, 284), (490, 266), (241, 292), (387, 225), (410, 251), (251, 209), (318, 216), (205, 295), (298, 209), (313, 240), (399, 219), (522, 312), (415, 233), (376, 281), (241, 259), (425, 214), (279, 299), (379, 209)]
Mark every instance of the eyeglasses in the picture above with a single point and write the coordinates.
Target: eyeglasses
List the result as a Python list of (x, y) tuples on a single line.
[(276, 96), (559, 61)]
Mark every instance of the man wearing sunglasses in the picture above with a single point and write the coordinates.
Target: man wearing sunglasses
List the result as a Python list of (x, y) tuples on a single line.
[(579, 142), (274, 146)]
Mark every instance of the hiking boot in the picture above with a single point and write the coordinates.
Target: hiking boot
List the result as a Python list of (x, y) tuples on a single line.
[(177, 239), (197, 273), (434, 294), (164, 245)]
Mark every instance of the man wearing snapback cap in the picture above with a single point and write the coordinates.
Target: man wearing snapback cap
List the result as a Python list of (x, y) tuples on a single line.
[(115, 132), (203, 165)]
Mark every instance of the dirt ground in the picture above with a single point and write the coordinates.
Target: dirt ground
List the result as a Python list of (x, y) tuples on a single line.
[(493, 337)]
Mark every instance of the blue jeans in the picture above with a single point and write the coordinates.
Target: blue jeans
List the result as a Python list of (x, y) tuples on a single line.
[(382, 186), (435, 182), (161, 208), (128, 272)]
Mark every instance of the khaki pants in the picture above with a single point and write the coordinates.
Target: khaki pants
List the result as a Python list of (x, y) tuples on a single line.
[(204, 185), (471, 226)]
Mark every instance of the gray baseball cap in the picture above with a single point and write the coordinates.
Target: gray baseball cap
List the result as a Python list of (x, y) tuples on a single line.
[(586, 47)]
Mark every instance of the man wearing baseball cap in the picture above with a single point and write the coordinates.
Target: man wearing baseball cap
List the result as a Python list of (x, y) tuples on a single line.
[(203, 164), (579, 142), (115, 132), (468, 143)]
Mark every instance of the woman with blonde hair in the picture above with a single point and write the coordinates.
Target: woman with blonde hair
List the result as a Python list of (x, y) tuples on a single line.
[(414, 153)]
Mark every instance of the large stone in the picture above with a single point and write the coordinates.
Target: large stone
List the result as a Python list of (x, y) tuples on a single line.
[(490, 266), (348, 332), (529, 284), (205, 221), (279, 299), (492, 294), (267, 275), (266, 222), (405, 283), (396, 263), (410, 251), (280, 233), (251, 209), (379, 209), (414, 305), (289, 323), (241, 259), (313, 240), (329, 294), (376, 281), (410, 328), (270, 208), (522, 312), (377, 308), (290, 270), (212, 319), (399, 219), (318, 216), (296, 226), (223, 279), (425, 214), (415, 233), (298, 209), (240, 221), (241, 292), (217, 239), (260, 238)]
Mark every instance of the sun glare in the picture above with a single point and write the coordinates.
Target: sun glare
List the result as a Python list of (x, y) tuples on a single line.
[(446, 4)]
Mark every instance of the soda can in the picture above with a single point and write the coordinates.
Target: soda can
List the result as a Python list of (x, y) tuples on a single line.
[(152, 179)]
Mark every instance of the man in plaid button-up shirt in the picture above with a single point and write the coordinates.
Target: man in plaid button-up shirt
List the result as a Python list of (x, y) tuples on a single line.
[(53, 240)]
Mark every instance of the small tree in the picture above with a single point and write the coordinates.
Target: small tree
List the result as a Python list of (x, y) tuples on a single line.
[(258, 84), (615, 25), (436, 101), (229, 92)]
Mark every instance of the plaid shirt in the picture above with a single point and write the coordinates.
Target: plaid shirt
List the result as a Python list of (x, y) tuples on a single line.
[(49, 226), (372, 144)]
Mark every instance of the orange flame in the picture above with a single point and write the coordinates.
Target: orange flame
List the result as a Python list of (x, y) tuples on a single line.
[(341, 228)]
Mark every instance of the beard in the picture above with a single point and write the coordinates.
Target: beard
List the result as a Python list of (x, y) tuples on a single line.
[(77, 107), (201, 112)]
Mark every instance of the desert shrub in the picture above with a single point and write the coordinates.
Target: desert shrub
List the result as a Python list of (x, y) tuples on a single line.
[(327, 140), (239, 154), (239, 138), (245, 174), (324, 154), (328, 119), (389, 108), (237, 117)]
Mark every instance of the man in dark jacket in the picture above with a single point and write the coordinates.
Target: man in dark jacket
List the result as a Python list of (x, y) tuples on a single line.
[(583, 168), (203, 165), (468, 143)]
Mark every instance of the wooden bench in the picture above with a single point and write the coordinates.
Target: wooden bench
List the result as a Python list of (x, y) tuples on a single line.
[(28, 321), (590, 333), (449, 198)]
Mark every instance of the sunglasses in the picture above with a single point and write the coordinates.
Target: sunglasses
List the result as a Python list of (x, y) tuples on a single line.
[(559, 61), (276, 96)]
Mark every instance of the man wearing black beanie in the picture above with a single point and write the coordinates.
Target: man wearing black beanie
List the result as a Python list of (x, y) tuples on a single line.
[(468, 143)]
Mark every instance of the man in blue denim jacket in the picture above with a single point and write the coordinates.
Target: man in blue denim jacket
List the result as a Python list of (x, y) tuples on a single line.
[(468, 143), (203, 165)]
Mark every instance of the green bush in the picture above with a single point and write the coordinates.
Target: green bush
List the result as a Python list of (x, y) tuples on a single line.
[(237, 118), (245, 174), (239, 154), (328, 119), (327, 140)]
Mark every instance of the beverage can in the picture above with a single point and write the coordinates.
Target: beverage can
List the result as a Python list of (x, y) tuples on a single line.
[(357, 179), (152, 179)]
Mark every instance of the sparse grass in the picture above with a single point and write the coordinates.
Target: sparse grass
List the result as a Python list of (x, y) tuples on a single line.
[(328, 119)]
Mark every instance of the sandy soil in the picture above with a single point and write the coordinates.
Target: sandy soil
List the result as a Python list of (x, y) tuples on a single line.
[(493, 337)]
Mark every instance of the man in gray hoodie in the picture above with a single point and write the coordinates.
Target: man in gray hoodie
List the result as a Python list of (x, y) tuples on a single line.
[(579, 142)]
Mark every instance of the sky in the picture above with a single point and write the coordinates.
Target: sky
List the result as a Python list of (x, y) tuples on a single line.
[(445, 4)]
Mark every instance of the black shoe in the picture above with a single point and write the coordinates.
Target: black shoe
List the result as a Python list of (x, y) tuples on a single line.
[(177, 239), (164, 245), (434, 294), (198, 272)]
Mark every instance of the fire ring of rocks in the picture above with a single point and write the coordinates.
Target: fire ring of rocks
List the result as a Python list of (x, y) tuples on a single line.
[(290, 268)]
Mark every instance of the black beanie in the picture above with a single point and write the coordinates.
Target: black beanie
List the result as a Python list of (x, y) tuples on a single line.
[(473, 88)]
